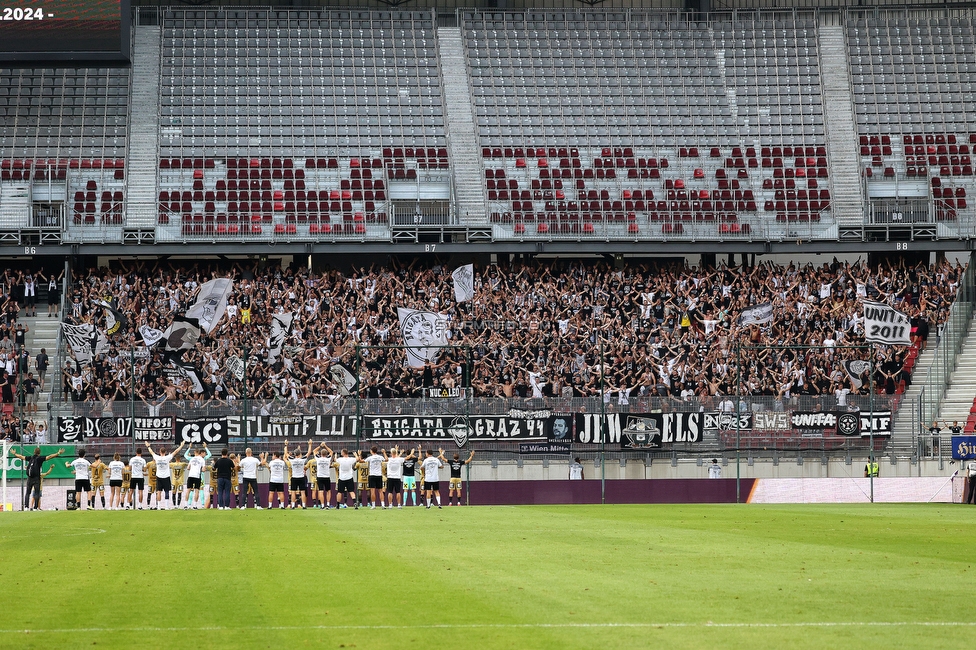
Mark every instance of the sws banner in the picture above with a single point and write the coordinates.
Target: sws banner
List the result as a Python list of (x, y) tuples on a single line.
[(74, 429), (639, 430)]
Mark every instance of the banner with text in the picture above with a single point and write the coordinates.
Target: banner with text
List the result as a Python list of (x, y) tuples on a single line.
[(639, 430), (211, 430), (16, 467)]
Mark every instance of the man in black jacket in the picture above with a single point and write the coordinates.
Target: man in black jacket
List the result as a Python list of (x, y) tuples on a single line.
[(34, 465)]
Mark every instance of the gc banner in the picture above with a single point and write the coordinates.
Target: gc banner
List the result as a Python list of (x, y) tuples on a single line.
[(639, 430), (74, 429), (195, 430)]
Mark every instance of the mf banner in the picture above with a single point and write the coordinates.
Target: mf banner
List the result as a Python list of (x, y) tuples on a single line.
[(15, 466), (639, 430)]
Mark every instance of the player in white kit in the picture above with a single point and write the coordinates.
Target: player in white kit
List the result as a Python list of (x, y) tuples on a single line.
[(164, 483), (249, 472), (298, 483), (375, 481), (394, 477), (115, 469), (137, 484), (432, 481), (80, 466), (323, 475), (194, 478), (277, 468), (346, 473)]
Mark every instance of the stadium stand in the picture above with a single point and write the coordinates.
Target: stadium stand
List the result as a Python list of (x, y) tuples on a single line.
[(596, 123)]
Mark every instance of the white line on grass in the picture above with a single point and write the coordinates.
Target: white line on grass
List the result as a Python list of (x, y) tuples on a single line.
[(466, 626)]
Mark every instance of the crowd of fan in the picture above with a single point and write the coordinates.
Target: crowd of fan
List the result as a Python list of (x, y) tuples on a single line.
[(538, 329)]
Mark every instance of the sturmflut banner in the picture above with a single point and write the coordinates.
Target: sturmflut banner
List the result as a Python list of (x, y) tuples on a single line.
[(886, 325)]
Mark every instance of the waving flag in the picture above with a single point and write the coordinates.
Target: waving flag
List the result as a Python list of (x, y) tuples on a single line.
[(463, 282), (424, 334), (211, 303)]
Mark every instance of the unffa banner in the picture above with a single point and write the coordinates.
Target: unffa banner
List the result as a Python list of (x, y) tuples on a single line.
[(211, 430), (77, 429), (639, 430), (963, 447), (728, 421), (15, 466), (295, 427)]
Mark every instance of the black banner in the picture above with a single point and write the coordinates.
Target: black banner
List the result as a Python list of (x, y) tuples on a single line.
[(880, 421), (813, 420), (727, 421), (296, 427), (212, 430), (559, 428), (458, 428), (152, 429), (562, 448), (845, 423), (639, 430), (74, 429)]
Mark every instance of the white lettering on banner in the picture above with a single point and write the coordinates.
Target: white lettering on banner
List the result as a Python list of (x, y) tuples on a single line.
[(437, 428), (878, 422), (814, 420), (209, 432), (764, 421)]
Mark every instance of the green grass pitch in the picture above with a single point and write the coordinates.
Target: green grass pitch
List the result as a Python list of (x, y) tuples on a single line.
[(699, 576)]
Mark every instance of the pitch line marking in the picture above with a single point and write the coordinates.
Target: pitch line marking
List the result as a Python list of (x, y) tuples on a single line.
[(467, 626)]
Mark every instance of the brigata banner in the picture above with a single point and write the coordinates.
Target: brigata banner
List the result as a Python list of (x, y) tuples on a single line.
[(15, 466), (77, 429), (963, 447), (211, 430), (457, 428), (639, 430), (728, 421)]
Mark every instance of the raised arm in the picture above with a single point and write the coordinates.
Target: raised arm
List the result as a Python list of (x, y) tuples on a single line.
[(208, 454), (55, 455), (470, 456)]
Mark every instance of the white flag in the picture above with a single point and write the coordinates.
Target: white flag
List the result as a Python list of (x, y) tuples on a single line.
[(182, 334), (85, 341), (424, 334), (344, 379), (854, 369), (886, 325), (211, 303), (150, 336), (236, 365), (463, 282), (758, 315), (280, 329)]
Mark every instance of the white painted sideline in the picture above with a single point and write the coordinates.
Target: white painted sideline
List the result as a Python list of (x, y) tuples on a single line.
[(466, 626), (924, 489)]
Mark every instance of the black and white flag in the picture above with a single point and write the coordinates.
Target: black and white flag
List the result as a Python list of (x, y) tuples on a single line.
[(463, 282), (115, 320), (192, 375), (150, 336), (886, 325), (182, 334), (85, 341), (236, 366), (211, 303), (344, 379), (758, 315), (854, 369), (424, 334), (280, 329)]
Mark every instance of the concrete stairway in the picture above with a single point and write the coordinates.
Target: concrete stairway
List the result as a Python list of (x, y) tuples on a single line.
[(143, 158), (962, 384), (847, 192), (469, 193), (43, 333), (905, 425)]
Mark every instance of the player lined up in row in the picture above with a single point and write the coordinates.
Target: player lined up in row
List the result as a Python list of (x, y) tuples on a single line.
[(387, 477)]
